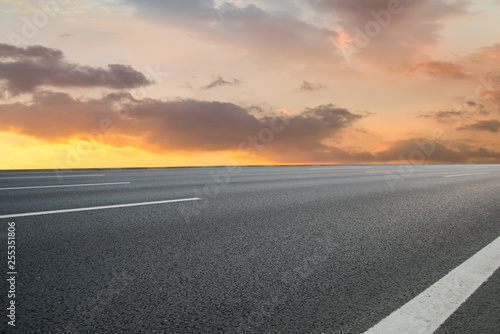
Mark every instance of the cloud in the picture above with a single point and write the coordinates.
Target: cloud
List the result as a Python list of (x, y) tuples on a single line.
[(34, 52), (256, 108), (187, 125), (201, 11), (63, 7), (402, 150), (355, 10), (310, 86), (328, 31), (489, 97), (390, 35), (162, 126), (248, 29), (442, 69), (446, 115), (221, 82), (492, 125), (482, 65), (307, 130), (406, 150), (23, 70), (489, 53), (55, 116)]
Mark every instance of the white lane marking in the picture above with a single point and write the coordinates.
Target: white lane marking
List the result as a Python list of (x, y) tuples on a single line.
[(47, 177), (466, 174), (458, 165), (381, 171), (146, 169), (353, 167), (446, 166), (426, 312), (15, 171), (69, 185), (97, 208)]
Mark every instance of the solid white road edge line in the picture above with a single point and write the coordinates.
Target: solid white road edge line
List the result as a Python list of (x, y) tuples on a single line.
[(47, 177), (97, 208), (69, 185), (466, 174), (426, 312)]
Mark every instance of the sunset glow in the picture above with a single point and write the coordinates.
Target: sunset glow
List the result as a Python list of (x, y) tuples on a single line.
[(112, 83)]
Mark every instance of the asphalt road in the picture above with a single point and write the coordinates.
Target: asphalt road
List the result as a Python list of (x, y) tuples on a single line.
[(263, 250)]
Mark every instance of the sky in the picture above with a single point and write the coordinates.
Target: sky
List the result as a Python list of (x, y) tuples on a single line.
[(150, 83)]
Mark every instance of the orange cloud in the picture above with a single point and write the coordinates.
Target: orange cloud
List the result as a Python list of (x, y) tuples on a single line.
[(188, 127), (166, 126), (491, 53), (391, 33), (443, 69)]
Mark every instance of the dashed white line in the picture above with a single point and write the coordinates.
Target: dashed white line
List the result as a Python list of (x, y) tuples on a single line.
[(457, 175), (353, 167), (47, 177), (426, 312), (69, 185), (381, 171), (97, 208)]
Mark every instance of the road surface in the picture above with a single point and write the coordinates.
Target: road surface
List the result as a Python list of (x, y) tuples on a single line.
[(297, 249)]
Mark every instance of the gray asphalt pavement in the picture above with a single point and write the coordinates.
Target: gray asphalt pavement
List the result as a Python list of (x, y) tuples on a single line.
[(298, 249)]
